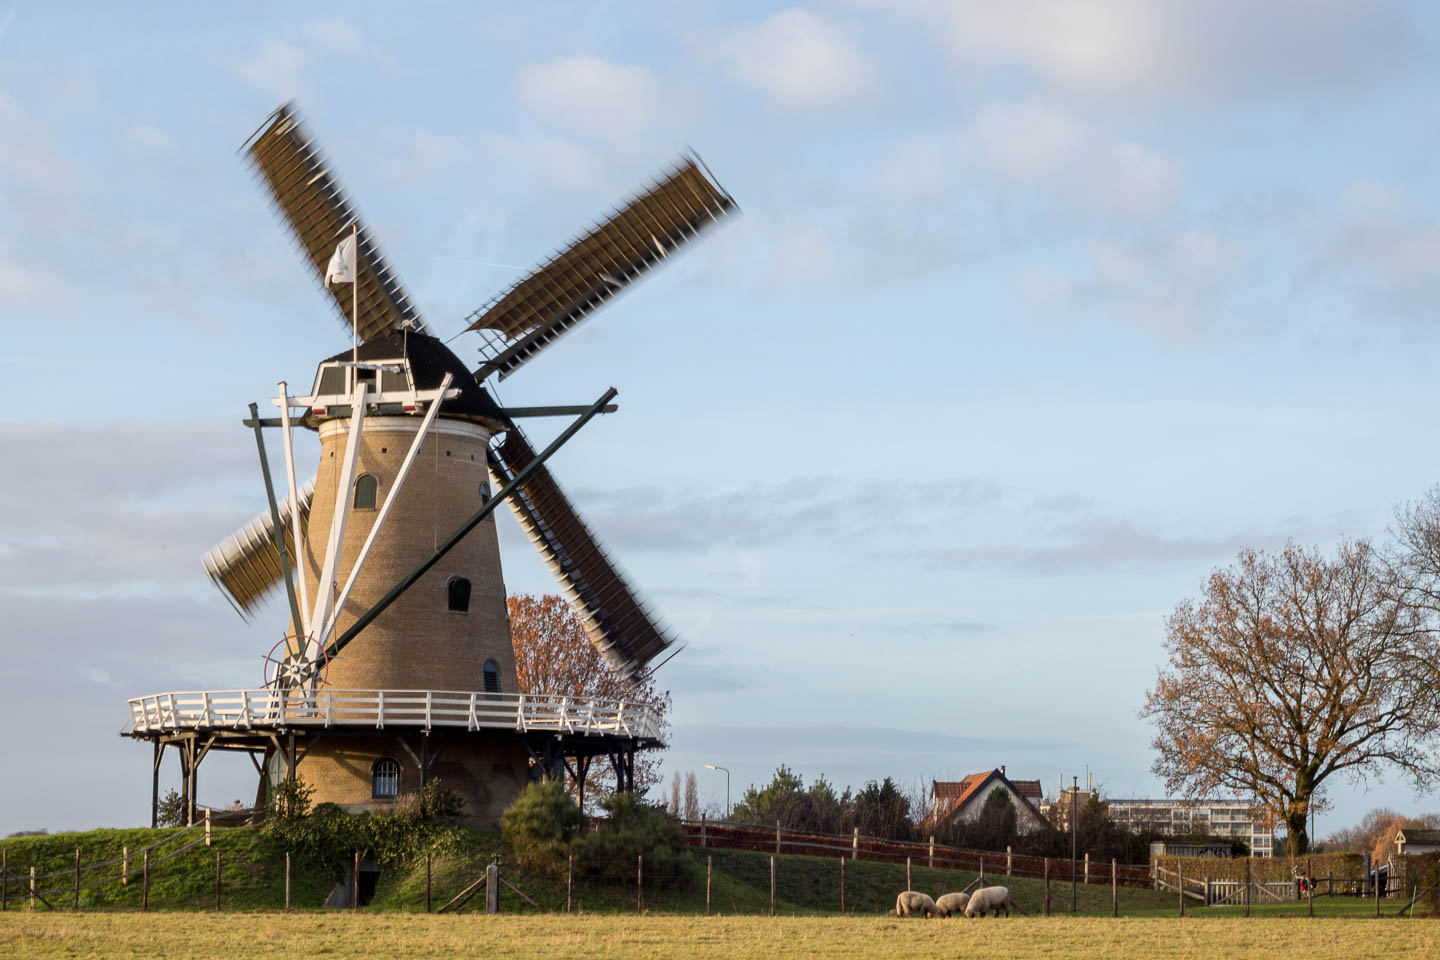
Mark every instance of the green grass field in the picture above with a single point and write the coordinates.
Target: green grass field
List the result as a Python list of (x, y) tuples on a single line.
[(116, 936)]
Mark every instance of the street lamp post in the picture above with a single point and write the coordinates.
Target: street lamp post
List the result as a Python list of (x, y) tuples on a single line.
[(1074, 804), (713, 766)]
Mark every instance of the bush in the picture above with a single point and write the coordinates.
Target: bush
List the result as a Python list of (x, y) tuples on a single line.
[(634, 829), (326, 838), (540, 825), (171, 812)]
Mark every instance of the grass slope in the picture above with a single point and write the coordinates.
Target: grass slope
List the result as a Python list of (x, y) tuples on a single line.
[(253, 879), (404, 937)]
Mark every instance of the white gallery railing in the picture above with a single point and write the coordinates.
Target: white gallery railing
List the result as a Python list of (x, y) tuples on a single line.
[(244, 709)]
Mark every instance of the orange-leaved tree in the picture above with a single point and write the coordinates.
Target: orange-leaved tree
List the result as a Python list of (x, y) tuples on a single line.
[(554, 655), (1293, 667)]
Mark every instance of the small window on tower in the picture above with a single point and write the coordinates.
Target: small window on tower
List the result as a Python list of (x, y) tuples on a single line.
[(365, 490), (385, 779), (392, 381), (492, 676), (459, 595)]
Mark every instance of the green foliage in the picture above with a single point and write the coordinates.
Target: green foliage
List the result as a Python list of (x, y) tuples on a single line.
[(172, 810), (879, 809), (290, 800), (540, 825), (438, 802), (326, 838), (634, 829)]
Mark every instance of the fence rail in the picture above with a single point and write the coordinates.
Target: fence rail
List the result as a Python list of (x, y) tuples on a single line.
[(732, 835), (246, 709)]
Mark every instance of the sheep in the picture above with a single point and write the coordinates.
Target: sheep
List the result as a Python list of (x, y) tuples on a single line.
[(990, 899), (911, 903), (951, 904)]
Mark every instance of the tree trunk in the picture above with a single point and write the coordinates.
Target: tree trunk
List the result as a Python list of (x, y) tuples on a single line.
[(1297, 841)]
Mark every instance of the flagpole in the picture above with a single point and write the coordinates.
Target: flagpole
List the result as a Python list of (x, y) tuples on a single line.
[(355, 296)]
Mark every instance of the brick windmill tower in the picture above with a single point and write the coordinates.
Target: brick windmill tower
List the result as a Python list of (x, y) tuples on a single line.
[(397, 665)]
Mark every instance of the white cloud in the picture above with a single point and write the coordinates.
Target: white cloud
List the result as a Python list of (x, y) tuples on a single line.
[(1179, 285), (800, 59), (595, 97), (1034, 144), (1148, 49), (275, 70), (1388, 251)]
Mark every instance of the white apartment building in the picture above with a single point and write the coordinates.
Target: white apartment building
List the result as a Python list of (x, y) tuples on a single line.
[(1228, 817)]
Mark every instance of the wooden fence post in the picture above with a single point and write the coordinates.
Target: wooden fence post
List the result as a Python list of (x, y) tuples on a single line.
[(1008, 869), (287, 881), (32, 891), (145, 882), (1087, 868), (207, 826), (1247, 886), (1180, 882), (908, 884), (842, 885), (1207, 890), (427, 887), (124, 866), (709, 875), (77, 878), (1047, 886), (702, 830), (217, 875), (4, 879), (772, 886), (855, 845), (492, 888), (932, 851), (570, 883), (1377, 889), (639, 883), (982, 870), (1114, 889), (777, 836), (355, 883)]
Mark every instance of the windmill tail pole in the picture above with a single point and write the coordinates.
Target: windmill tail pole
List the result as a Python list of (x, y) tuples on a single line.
[(275, 521), (475, 520)]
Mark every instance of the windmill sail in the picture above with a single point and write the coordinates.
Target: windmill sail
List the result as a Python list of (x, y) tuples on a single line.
[(619, 625), (245, 566), (304, 189), (574, 281)]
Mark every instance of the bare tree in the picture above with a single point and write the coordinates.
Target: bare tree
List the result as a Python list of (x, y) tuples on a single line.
[(554, 655), (692, 797), (1291, 668)]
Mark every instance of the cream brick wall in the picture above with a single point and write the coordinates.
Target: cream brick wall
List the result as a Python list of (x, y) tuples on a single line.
[(487, 774), (417, 643)]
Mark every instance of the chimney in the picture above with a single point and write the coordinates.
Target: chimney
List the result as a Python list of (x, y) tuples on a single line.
[(1002, 769)]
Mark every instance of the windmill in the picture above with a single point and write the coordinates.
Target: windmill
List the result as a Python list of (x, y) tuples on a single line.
[(389, 558)]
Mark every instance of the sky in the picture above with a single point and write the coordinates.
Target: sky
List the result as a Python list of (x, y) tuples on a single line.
[(1036, 314)]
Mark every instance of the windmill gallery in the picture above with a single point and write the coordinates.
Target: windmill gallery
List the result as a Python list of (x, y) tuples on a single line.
[(397, 665)]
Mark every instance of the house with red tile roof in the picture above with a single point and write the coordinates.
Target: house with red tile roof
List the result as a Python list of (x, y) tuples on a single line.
[(952, 801)]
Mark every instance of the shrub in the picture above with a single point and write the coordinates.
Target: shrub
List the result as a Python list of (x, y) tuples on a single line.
[(634, 829), (540, 825), (171, 812)]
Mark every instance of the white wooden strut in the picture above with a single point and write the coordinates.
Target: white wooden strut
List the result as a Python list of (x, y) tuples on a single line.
[(325, 594), (323, 638), (297, 529)]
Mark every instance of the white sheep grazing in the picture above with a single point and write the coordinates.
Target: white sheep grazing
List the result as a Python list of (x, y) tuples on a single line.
[(911, 903), (951, 904), (990, 899)]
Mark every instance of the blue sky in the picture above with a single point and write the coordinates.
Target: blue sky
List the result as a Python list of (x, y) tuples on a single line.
[(1036, 313)]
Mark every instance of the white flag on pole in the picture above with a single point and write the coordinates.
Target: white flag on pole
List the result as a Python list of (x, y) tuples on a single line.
[(342, 262)]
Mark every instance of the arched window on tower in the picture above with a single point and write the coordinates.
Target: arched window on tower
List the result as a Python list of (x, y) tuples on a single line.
[(492, 676), (385, 779), (459, 595), (365, 490)]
